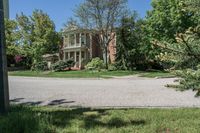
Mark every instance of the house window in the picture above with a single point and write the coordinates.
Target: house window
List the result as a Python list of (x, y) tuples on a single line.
[(78, 38), (72, 39), (83, 55), (72, 55), (82, 39), (66, 56), (77, 56), (88, 39), (66, 41)]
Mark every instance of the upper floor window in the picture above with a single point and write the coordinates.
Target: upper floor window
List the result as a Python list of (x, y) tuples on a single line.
[(72, 39), (88, 39), (78, 38), (66, 41), (83, 38)]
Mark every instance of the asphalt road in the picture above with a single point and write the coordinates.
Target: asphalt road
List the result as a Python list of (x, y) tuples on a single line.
[(119, 92)]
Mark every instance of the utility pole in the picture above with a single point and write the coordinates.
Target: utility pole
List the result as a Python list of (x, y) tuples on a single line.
[(6, 8), (4, 93)]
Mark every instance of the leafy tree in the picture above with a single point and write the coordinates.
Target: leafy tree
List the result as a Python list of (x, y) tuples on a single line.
[(168, 18), (11, 37), (25, 37), (46, 40), (37, 35), (127, 43), (132, 49), (164, 21), (12, 46), (102, 15), (185, 52)]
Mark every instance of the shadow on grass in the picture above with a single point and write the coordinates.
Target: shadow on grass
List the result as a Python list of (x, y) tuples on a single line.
[(117, 122), (26, 119)]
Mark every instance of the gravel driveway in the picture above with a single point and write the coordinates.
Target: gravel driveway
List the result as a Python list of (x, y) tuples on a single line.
[(118, 92)]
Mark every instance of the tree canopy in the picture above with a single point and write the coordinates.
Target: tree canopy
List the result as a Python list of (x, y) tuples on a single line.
[(32, 36)]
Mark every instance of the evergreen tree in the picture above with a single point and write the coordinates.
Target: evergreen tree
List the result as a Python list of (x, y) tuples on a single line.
[(185, 52), (130, 44)]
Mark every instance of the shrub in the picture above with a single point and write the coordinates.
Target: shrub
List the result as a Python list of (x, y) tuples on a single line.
[(95, 64), (112, 67), (41, 66), (62, 65)]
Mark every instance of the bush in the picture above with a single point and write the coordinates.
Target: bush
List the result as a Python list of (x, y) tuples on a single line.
[(112, 67), (62, 65), (95, 64), (40, 66)]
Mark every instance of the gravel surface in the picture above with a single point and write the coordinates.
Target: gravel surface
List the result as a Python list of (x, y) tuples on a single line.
[(118, 92)]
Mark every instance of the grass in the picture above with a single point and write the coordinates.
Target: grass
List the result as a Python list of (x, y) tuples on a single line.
[(158, 74), (89, 74), (23, 119)]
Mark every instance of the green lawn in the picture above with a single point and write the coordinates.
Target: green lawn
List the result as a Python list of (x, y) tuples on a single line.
[(157, 74), (88, 74), (86, 120)]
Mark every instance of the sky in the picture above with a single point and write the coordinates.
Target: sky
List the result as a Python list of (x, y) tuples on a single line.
[(61, 10)]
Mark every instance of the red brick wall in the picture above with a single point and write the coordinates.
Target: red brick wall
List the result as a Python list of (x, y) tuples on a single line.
[(96, 48), (112, 49)]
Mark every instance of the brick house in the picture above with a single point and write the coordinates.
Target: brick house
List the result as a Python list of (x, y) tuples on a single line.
[(81, 45)]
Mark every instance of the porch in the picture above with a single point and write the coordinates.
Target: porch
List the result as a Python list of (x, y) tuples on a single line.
[(79, 56)]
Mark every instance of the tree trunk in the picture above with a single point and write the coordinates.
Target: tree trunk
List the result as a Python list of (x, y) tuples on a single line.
[(106, 53)]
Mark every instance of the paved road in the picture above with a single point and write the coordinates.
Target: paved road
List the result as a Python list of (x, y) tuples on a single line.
[(120, 92)]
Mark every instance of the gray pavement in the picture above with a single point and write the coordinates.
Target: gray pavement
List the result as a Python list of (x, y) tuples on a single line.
[(117, 92)]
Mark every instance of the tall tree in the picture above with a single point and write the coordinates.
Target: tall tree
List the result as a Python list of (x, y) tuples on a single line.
[(25, 37), (37, 35), (132, 51), (103, 16), (185, 52), (46, 40), (168, 18), (164, 21), (11, 32)]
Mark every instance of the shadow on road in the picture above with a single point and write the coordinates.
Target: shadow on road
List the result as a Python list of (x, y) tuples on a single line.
[(23, 101)]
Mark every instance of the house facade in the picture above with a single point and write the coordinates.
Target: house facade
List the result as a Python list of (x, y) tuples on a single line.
[(81, 45)]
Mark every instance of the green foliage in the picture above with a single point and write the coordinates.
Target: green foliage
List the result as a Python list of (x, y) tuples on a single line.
[(11, 37), (190, 80), (40, 66), (168, 18), (131, 44), (184, 53), (37, 35), (62, 65), (112, 67), (164, 21), (95, 64), (174, 24)]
